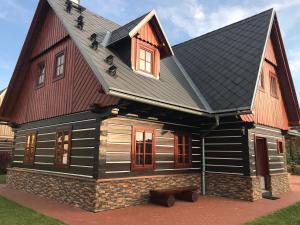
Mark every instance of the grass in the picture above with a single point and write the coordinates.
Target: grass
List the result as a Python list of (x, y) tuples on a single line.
[(2, 179), (286, 216), (14, 214)]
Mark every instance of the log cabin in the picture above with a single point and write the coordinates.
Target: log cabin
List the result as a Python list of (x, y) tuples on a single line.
[(104, 113), (6, 140)]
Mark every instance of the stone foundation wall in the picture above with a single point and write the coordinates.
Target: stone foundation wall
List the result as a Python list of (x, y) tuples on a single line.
[(105, 194), (279, 183), (233, 186), (95, 195), (75, 191), (119, 193)]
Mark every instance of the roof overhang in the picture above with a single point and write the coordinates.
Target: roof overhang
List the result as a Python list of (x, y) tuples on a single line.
[(153, 16)]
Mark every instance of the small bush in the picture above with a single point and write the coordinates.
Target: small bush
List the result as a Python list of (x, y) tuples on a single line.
[(5, 159), (294, 169)]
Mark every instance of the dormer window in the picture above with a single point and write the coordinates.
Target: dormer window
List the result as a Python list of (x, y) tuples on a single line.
[(146, 60)]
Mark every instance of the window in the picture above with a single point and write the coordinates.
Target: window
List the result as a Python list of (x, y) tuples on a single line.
[(41, 75), (30, 148), (261, 81), (59, 65), (183, 150), (146, 61), (63, 147), (143, 149), (273, 85), (280, 148)]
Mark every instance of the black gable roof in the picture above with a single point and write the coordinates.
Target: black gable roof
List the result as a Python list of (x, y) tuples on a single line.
[(224, 64)]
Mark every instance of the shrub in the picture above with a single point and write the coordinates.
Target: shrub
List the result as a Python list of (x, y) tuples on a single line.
[(293, 168), (5, 159)]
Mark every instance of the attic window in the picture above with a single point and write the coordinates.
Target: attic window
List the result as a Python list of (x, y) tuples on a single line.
[(146, 60), (273, 85), (41, 75), (261, 81), (59, 65)]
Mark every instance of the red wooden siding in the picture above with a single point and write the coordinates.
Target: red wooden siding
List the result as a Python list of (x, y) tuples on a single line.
[(145, 37), (51, 32), (147, 34), (74, 93), (268, 110)]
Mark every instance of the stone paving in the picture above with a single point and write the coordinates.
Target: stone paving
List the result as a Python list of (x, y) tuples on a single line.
[(208, 210)]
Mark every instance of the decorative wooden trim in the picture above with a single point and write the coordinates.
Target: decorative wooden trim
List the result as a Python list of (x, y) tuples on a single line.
[(184, 164), (135, 167)]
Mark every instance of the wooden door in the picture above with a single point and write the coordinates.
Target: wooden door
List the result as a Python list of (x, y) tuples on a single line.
[(262, 162)]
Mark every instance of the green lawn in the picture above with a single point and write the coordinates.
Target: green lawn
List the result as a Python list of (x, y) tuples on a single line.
[(2, 179), (286, 216), (14, 214)]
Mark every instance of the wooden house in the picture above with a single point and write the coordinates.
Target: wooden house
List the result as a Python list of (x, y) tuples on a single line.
[(104, 112), (6, 140)]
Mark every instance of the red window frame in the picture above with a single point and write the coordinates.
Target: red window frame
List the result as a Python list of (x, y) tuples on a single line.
[(151, 62), (57, 65), (59, 147), (280, 147), (141, 167), (30, 148), (154, 57), (41, 73), (273, 85), (184, 162)]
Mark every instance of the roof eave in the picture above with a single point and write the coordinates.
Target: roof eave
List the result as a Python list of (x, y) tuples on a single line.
[(164, 104)]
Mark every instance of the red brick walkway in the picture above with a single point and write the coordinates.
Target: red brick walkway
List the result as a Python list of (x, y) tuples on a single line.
[(208, 210)]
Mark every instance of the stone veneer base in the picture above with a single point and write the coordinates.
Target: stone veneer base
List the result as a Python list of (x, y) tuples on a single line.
[(233, 186), (105, 194), (95, 195)]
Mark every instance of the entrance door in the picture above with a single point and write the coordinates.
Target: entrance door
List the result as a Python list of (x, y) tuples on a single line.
[(262, 162)]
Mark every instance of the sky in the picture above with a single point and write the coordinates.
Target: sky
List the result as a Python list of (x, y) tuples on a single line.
[(181, 20)]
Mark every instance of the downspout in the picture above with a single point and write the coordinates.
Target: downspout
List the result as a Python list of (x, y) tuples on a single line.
[(217, 123)]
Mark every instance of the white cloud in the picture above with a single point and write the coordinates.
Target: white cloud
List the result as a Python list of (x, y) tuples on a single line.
[(13, 11), (192, 17), (294, 62)]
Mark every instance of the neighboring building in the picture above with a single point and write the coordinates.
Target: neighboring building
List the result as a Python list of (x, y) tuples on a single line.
[(6, 140), (6, 134), (103, 113)]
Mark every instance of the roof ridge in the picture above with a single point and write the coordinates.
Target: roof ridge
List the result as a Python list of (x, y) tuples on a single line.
[(219, 29)]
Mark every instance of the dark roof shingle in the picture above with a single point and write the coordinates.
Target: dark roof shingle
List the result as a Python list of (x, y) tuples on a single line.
[(224, 64)]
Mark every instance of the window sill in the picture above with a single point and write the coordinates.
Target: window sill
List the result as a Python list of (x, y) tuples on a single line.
[(142, 169), (183, 166), (39, 86), (152, 76), (58, 78)]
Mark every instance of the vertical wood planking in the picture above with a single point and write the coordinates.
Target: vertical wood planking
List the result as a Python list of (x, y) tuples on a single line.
[(268, 110), (74, 93)]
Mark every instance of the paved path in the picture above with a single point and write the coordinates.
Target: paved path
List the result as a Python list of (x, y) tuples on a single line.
[(207, 211)]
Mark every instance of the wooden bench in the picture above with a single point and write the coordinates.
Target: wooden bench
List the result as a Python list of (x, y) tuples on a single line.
[(166, 197)]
